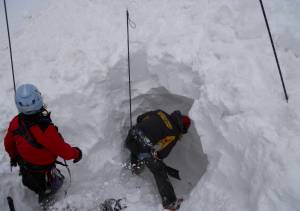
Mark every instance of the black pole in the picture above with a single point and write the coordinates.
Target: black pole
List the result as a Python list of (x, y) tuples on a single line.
[(274, 50), (128, 57), (11, 203), (10, 51)]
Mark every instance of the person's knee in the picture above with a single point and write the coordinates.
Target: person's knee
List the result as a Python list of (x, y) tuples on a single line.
[(34, 184)]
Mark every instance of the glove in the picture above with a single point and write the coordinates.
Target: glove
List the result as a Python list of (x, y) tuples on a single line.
[(14, 161), (155, 155), (79, 156)]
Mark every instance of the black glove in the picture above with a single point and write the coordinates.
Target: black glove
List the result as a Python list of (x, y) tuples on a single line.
[(14, 161), (79, 156)]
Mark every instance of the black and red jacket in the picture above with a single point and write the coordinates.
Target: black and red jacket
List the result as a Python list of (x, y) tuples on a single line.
[(36, 140)]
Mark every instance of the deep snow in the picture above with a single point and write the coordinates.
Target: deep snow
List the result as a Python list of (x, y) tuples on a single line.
[(211, 59)]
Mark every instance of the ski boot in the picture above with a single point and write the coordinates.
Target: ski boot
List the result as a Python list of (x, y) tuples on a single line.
[(174, 205)]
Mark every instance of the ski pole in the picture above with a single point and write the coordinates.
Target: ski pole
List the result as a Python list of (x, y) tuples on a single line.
[(10, 203), (10, 51), (128, 63), (274, 50)]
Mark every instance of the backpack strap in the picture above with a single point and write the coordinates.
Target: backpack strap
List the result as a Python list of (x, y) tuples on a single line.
[(24, 131)]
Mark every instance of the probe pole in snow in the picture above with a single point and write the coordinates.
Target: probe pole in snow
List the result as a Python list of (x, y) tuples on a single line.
[(128, 58), (10, 203), (274, 50), (10, 51)]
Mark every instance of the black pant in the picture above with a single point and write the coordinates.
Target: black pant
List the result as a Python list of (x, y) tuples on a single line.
[(163, 183), (35, 181), (44, 183), (156, 166)]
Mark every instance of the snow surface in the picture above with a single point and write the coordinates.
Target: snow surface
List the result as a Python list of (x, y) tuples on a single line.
[(211, 59)]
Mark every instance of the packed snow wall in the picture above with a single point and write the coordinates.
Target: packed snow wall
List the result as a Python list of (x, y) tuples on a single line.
[(187, 156)]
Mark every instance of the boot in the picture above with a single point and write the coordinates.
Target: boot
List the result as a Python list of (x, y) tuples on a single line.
[(174, 205)]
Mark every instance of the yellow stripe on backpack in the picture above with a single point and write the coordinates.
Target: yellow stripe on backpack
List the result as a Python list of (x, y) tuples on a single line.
[(165, 120), (165, 142)]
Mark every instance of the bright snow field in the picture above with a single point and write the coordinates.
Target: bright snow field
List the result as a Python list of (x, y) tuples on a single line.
[(211, 59)]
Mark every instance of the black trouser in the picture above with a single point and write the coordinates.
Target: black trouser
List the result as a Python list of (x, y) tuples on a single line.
[(43, 180), (163, 183), (35, 181), (156, 166)]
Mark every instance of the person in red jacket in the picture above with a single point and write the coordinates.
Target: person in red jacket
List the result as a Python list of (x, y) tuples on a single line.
[(34, 143)]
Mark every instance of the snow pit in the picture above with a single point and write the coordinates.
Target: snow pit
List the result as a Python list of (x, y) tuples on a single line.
[(187, 156), (106, 125)]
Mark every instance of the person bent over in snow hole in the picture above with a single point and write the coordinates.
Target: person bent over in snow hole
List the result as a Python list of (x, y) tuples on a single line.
[(150, 141), (34, 143)]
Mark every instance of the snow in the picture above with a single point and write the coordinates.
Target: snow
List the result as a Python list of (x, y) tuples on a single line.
[(211, 59)]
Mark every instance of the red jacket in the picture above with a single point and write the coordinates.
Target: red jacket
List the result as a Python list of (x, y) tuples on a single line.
[(51, 140)]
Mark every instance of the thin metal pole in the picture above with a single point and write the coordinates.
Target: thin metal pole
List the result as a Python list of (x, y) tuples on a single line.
[(10, 202), (10, 51), (128, 57), (274, 50)]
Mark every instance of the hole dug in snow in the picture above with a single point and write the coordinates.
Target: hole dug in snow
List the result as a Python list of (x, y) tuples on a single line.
[(187, 156), (151, 83)]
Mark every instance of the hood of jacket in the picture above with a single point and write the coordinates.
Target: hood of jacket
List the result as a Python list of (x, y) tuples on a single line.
[(177, 118)]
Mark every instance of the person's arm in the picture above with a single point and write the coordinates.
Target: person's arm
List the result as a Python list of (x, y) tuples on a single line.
[(52, 140), (10, 144)]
